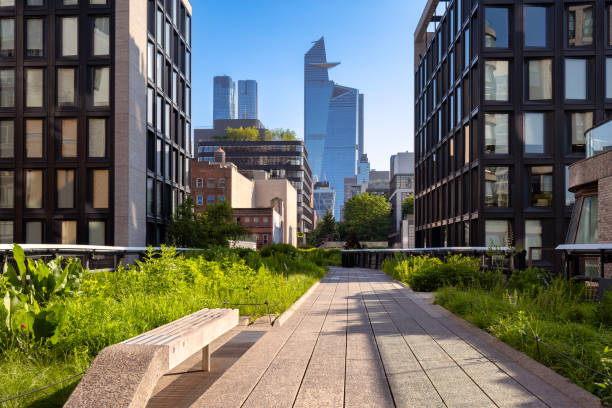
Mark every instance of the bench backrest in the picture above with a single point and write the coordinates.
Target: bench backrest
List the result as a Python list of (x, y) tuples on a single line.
[(189, 334)]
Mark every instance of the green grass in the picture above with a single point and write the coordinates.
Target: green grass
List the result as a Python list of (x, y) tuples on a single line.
[(114, 306), (557, 314)]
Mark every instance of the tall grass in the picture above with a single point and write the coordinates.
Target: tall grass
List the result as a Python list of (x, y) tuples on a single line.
[(114, 306)]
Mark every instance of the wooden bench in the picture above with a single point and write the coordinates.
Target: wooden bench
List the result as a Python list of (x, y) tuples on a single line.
[(125, 374)]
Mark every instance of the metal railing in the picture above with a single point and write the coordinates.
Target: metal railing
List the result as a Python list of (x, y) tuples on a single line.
[(501, 258), (92, 257)]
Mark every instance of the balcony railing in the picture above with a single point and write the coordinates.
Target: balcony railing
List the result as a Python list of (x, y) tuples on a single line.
[(599, 139)]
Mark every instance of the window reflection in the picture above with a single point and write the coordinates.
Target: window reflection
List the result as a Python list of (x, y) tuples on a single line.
[(580, 25), (541, 186)]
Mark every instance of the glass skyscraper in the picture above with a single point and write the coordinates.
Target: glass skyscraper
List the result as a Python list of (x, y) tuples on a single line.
[(331, 122), (247, 99), (224, 98)]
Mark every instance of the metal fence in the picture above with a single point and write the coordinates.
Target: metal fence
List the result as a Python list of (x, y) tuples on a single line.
[(92, 257), (502, 258)]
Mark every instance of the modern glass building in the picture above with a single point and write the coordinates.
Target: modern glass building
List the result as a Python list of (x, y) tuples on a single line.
[(94, 106), (247, 99), (224, 98), (363, 169), (331, 122), (504, 93), (324, 199)]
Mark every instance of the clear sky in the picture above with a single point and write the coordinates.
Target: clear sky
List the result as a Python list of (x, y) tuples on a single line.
[(266, 40)]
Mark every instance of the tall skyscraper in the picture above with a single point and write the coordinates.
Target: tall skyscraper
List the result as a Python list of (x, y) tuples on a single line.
[(331, 122), (361, 141), (498, 122), (94, 148), (224, 98), (247, 99)]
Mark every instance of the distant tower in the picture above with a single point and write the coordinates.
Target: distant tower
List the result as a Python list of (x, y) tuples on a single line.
[(360, 148), (224, 98), (247, 99)]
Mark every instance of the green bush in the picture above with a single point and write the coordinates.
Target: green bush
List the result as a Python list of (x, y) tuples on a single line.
[(434, 277), (604, 309), (529, 279)]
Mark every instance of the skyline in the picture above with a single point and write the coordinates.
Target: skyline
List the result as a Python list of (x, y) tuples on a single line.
[(372, 55)]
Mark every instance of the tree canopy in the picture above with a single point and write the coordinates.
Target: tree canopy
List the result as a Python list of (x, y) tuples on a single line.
[(408, 206), (214, 227), (326, 230), (369, 216), (253, 134)]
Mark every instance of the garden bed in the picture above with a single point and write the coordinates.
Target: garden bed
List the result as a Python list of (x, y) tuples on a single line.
[(110, 307)]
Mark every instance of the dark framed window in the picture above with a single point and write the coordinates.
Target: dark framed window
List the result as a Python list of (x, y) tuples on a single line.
[(580, 25), (536, 26), (497, 186), (540, 186), (497, 22)]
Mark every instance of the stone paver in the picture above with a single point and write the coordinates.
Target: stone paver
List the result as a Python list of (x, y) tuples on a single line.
[(361, 339)]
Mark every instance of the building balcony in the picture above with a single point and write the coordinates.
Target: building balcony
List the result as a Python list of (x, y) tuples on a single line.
[(599, 139)]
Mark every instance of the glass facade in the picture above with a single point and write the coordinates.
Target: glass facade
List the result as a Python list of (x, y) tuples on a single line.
[(247, 99), (224, 98)]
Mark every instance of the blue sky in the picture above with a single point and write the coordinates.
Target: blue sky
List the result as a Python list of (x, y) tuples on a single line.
[(266, 40)]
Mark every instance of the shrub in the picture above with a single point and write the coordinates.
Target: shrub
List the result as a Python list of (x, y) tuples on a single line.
[(604, 309), (276, 249), (529, 279), (434, 277)]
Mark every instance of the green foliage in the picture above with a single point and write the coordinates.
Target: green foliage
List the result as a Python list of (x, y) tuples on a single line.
[(214, 227), (604, 309), (352, 242), (557, 313), (369, 216), (408, 206), (31, 294), (253, 134), (326, 230), (529, 279), (166, 285)]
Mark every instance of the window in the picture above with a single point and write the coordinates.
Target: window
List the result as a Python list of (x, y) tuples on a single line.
[(200, 200), (221, 198), (167, 42), (221, 183), (97, 232), (97, 137), (7, 37), (210, 183), (533, 238), (580, 25), (535, 26), (7, 3), (160, 27), (101, 2), (34, 87), (587, 224), (496, 80), (35, 3), (497, 233), (150, 106), (68, 232), (6, 231), (158, 111), (466, 49), (33, 188), (256, 221), (496, 133), (101, 86), (34, 37), (580, 122), (7, 88), (68, 139), (70, 37), (100, 189), (101, 36), (65, 189), (541, 186), (167, 120), (66, 80), (570, 197), (34, 138), (609, 76), (7, 189), (265, 221), (71, 2), (199, 183), (7, 139), (466, 144), (151, 61), (497, 190), (496, 27), (540, 79), (575, 78), (210, 199), (534, 132), (33, 232), (159, 70)]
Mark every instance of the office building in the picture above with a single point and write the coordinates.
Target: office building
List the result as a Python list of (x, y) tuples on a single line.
[(363, 170), (94, 119), (378, 183), (331, 122), (401, 186), (324, 199), (281, 159), (361, 137), (224, 98), (503, 96), (247, 99)]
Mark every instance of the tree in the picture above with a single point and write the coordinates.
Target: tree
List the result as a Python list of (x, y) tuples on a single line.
[(326, 230), (241, 134), (369, 216), (280, 134), (214, 227), (408, 206)]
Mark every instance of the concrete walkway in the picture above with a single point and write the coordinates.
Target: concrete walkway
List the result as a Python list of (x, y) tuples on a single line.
[(363, 340)]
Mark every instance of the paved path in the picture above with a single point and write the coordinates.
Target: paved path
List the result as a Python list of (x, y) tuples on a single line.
[(363, 340)]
